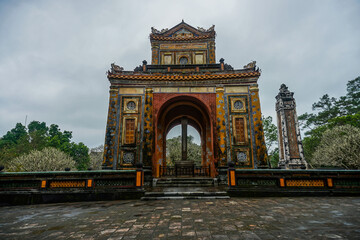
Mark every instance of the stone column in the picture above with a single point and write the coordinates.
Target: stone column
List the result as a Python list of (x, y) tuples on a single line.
[(110, 148), (221, 126), (255, 113), (291, 151), (184, 122), (148, 149), (212, 59), (154, 54)]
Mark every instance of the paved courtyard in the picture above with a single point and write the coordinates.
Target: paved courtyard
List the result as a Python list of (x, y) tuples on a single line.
[(235, 218)]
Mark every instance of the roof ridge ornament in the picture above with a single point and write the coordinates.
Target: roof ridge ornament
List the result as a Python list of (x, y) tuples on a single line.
[(201, 29), (250, 65), (284, 93), (155, 31), (116, 68)]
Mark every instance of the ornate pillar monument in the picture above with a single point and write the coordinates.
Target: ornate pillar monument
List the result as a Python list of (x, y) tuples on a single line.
[(291, 151)]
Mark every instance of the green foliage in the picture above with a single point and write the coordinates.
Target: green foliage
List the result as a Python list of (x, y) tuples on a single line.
[(353, 120), (173, 150), (13, 136), (271, 139), (350, 103), (312, 141), (274, 158), (339, 147), (37, 136), (329, 108), (270, 132), (331, 113), (79, 152), (48, 159)]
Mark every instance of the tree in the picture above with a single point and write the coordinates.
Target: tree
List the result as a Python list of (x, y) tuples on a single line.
[(48, 159), (353, 120), (96, 157), (80, 153), (350, 103), (312, 141), (271, 139), (14, 135), (339, 147), (173, 150), (193, 151), (331, 112), (58, 139), (329, 108), (37, 136), (38, 133), (13, 144)]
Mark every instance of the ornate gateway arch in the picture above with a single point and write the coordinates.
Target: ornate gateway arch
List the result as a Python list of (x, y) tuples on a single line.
[(184, 86)]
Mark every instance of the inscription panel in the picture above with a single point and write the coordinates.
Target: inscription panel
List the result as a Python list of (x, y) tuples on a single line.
[(183, 46)]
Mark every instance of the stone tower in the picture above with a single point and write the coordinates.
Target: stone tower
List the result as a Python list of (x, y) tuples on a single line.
[(290, 144)]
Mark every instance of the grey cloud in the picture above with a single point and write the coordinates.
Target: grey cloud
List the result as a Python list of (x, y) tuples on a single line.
[(54, 54)]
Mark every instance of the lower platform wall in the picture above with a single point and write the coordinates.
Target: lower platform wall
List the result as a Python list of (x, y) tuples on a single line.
[(52, 187), (271, 182)]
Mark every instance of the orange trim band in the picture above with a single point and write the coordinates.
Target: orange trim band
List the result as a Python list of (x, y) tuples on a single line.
[(282, 182), (89, 182), (330, 182), (232, 176), (138, 178)]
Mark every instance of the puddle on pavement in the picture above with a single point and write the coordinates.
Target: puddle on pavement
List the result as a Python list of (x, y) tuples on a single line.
[(26, 217), (55, 228), (72, 214)]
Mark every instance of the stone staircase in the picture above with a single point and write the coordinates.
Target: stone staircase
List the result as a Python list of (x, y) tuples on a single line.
[(184, 188), (184, 182)]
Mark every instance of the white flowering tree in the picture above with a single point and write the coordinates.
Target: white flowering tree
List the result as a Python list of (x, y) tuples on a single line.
[(339, 147), (48, 159), (96, 157)]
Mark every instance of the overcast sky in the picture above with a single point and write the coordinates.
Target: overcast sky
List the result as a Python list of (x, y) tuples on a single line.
[(54, 54)]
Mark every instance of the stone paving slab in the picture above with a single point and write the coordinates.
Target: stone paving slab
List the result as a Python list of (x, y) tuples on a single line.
[(235, 218)]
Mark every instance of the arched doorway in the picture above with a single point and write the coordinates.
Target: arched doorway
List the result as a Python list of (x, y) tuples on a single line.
[(184, 111)]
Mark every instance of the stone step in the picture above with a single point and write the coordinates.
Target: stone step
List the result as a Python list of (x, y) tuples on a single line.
[(184, 185), (156, 194), (184, 182), (184, 178), (184, 195)]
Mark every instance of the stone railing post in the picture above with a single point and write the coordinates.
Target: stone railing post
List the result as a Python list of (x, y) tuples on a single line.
[(231, 175), (139, 175)]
